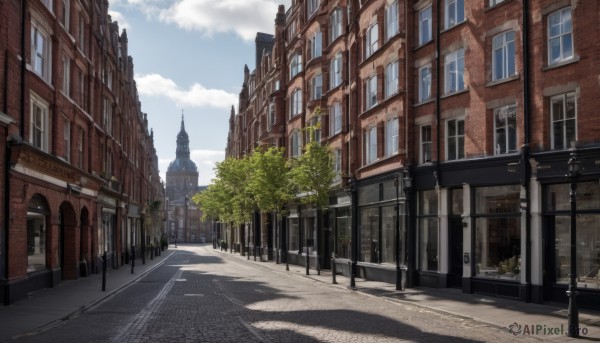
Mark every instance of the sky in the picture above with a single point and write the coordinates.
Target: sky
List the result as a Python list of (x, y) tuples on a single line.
[(189, 58)]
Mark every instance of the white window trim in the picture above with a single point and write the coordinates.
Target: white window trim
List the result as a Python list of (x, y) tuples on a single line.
[(391, 137), (562, 58), (391, 79), (67, 139), (504, 45), (391, 24), (46, 72), (497, 111), (36, 101), (66, 20), (335, 78), (447, 14), (335, 24), (317, 87), (371, 93), (316, 45), (335, 113), (422, 83), (66, 88), (422, 144), (563, 97), (453, 58), (371, 40), (370, 144), (423, 23), (337, 164), (456, 137)]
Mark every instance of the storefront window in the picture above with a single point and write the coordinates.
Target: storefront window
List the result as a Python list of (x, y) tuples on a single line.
[(388, 234), (369, 235), (498, 232), (36, 242), (309, 235), (428, 231), (343, 233), (293, 232)]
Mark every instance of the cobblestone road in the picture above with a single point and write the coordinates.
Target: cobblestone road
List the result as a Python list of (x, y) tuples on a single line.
[(200, 295)]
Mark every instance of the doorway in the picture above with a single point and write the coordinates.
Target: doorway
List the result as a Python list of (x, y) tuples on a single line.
[(455, 239)]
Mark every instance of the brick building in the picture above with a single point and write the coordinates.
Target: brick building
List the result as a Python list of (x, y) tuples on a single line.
[(451, 124), (79, 164)]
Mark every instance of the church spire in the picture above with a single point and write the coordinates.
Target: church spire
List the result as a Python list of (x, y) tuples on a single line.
[(183, 141)]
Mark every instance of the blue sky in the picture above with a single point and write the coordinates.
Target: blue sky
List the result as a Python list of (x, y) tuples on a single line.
[(189, 55)]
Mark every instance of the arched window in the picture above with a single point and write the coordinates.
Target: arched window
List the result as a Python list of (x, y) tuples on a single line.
[(37, 211)]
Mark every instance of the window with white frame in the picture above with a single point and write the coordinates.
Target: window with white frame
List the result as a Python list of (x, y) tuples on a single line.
[(81, 32), (425, 25), (391, 79), (295, 144), (65, 18), (425, 144), (296, 103), (563, 109), (314, 134), (80, 149), (316, 45), (295, 65), (335, 119), (424, 83), (371, 40), (337, 164), (335, 76), (271, 116), (391, 20), (311, 7), (81, 97), (503, 57), (391, 137), (371, 145), (39, 134), (317, 86), (66, 82), (495, 2), (455, 139), (41, 52), (107, 115), (455, 12), (335, 26), (560, 36), (67, 139), (505, 129), (371, 93), (454, 71)]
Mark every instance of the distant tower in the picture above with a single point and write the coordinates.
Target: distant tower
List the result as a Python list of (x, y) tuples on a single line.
[(182, 181)]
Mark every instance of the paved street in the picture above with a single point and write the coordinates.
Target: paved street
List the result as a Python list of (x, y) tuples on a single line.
[(201, 295)]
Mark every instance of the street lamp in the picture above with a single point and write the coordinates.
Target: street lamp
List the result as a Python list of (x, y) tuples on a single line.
[(573, 312)]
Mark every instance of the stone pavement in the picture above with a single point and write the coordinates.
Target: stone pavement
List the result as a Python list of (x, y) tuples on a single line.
[(49, 307)]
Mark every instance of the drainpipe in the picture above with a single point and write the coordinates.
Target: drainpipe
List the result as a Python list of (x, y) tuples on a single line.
[(23, 68), (525, 151)]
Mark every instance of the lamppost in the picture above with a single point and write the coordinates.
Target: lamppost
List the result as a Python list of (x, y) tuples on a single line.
[(573, 312)]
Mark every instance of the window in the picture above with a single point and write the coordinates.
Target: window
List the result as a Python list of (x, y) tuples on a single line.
[(335, 119), (317, 87), (312, 7), (563, 110), (371, 40), (455, 12), (495, 2), (48, 4), (505, 127), (371, 93), (425, 144), (337, 164), (498, 232), (371, 145), (80, 149), (391, 20), (369, 235), (335, 78), (294, 235), (107, 115), (65, 18), (341, 219), (37, 233), (503, 57), (455, 68), (391, 137), (66, 86), (560, 36), (425, 25), (316, 45), (81, 89), (428, 248), (455, 133), (271, 116), (67, 139), (296, 144), (295, 65), (81, 31), (336, 24), (391, 79), (296, 103), (40, 117), (424, 83), (40, 52)]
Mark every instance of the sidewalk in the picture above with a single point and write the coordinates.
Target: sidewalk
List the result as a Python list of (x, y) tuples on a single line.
[(497, 312), (49, 306)]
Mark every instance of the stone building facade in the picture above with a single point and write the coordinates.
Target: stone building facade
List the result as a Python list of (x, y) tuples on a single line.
[(79, 167)]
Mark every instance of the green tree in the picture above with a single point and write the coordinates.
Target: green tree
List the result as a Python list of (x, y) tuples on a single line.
[(270, 183)]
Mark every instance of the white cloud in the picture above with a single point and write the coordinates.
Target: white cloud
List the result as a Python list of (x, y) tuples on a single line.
[(195, 96), (242, 17), (205, 161), (118, 17)]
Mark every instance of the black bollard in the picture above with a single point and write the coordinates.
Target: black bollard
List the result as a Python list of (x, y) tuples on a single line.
[(333, 269)]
